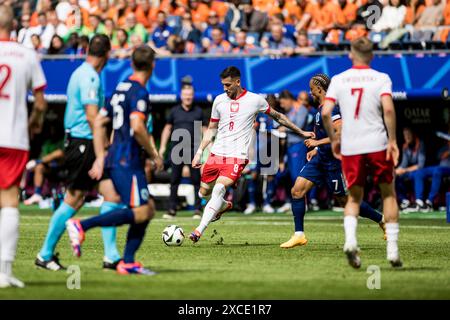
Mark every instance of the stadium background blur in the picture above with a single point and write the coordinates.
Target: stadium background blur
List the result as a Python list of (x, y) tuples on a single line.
[(277, 45)]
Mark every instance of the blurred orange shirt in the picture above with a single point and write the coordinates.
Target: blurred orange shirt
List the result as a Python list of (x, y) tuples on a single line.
[(291, 11), (346, 15), (409, 17), (355, 33), (322, 17), (447, 14), (220, 8), (201, 14)]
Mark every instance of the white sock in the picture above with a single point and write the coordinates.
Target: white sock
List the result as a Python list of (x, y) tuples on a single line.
[(350, 224), (212, 207), (6, 267), (392, 230), (299, 233), (9, 234)]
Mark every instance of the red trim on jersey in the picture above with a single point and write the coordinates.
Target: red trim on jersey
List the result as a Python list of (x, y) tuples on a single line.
[(6, 40), (268, 110), (330, 99), (214, 120), (386, 94), (138, 114), (40, 88), (361, 67), (241, 95)]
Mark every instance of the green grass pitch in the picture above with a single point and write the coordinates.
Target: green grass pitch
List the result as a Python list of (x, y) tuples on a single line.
[(243, 261)]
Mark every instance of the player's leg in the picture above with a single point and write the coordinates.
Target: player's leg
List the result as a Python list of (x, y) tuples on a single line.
[(351, 212), (73, 201), (299, 190), (9, 235), (272, 183), (175, 179), (111, 202), (214, 206), (251, 189), (38, 181)]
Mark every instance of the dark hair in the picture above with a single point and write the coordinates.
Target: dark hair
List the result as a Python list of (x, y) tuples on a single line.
[(143, 57), (231, 72), (52, 49), (286, 94), (217, 28), (321, 80), (99, 46)]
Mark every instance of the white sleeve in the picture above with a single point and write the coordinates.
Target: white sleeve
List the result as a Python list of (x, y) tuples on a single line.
[(386, 86), (332, 91), (38, 81), (263, 105), (215, 116)]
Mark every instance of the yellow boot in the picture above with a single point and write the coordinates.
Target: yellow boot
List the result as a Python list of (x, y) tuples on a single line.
[(294, 241)]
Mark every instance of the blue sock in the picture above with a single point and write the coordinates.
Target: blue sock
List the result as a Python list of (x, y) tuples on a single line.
[(56, 229), (38, 190), (135, 235), (111, 219), (109, 233), (367, 211), (270, 191), (251, 191), (298, 209)]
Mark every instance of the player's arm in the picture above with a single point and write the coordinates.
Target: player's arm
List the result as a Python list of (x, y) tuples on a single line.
[(335, 136), (390, 121), (208, 137), (165, 135), (100, 141), (142, 136), (36, 120), (52, 156), (284, 121), (91, 111)]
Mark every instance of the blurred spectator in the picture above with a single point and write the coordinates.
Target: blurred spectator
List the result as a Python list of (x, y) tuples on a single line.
[(77, 16), (357, 30), (233, 18), (413, 159), (110, 28), (219, 7), (278, 19), (322, 16), (44, 30), (48, 165), (63, 10), (345, 14), (290, 10), (199, 12), (37, 44), (304, 45), (95, 27), (253, 20), (42, 6), (58, 27), (25, 32), (120, 12), (276, 43), (414, 9), (306, 8), (218, 45), (161, 33), (392, 17), (120, 47), (72, 44), (188, 31), (243, 45), (83, 44), (56, 45), (429, 20), (26, 9), (134, 28), (145, 14), (213, 21)]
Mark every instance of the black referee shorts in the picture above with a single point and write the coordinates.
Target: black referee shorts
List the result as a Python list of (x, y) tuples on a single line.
[(79, 158)]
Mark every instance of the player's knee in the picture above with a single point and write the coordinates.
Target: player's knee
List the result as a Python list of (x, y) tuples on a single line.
[(219, 190), (39, 168), (298, 192)]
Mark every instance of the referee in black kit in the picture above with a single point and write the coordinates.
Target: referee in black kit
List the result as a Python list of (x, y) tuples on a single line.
[(183, 120)]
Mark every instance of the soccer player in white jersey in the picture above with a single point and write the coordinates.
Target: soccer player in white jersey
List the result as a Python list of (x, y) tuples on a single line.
[(232, 117), (20, 70), (365, 98)]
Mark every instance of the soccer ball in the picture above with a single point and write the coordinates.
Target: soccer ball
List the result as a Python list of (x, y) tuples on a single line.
[(173, 235)]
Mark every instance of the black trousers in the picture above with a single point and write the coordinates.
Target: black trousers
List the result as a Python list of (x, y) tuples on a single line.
[(175, 180)]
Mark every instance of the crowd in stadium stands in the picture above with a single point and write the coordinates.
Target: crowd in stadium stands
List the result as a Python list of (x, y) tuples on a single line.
[(275, 27)]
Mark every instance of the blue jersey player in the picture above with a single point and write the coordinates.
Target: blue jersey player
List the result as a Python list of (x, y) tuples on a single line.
[(322, 168), (123, 165), (84, 97)]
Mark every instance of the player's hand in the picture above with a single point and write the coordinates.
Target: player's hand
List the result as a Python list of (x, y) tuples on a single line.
[(400, 171), (281, 166), (311, 143), (308, 134), (161, 152), (159, 164), (336, 148), (196, 162), (96, 171), (392, 152), (311, 154)]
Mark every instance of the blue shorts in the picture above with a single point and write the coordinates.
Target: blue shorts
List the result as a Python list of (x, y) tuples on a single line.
[(131, 185), (320, 172)]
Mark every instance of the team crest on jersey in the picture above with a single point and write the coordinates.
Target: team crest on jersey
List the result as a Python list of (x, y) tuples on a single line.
[(92, 94), (317, 118), (144, 194), (234, 106), (82, 148)]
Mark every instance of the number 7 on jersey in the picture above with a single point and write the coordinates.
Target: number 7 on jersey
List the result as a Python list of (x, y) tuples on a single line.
[(358, 91)]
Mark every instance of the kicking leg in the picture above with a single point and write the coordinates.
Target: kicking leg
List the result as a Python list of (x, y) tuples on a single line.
[(298, 192), (351, 213)]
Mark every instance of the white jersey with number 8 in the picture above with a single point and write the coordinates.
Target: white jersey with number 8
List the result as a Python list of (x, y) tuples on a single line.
[(20, 70), (236, 118), (358, 93)]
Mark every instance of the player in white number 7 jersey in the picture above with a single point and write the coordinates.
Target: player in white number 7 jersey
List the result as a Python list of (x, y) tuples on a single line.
[(365, 98), (20, 70), (232, 117)]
